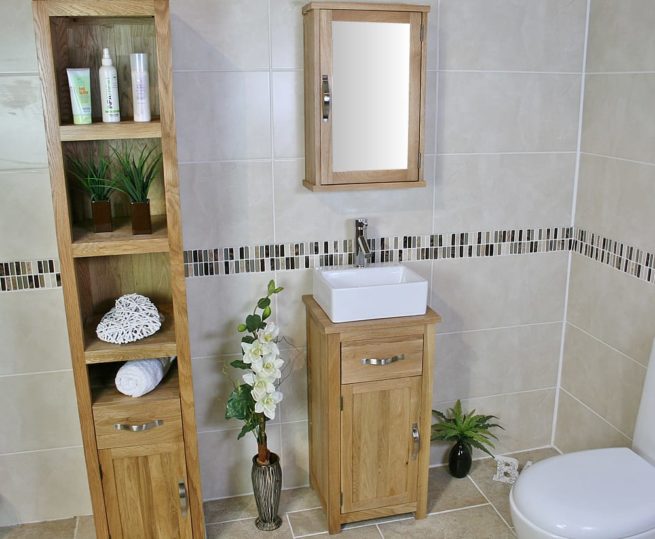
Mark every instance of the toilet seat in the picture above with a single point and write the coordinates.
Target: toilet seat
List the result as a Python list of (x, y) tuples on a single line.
[(597, 494)]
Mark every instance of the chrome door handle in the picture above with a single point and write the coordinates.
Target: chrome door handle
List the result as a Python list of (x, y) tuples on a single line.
[(382, 361), (139, 427), (416, 441), (326, 98), (184, 498)]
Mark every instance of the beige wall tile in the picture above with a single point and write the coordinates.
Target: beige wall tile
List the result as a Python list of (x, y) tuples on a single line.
[(22, 136), (218, 34), (222, 116), (287, 34), (618, 119), (483, 293), (615, 198), (217, 306), (621, 36), (17, 47), (227, 204), (290, 310), (294, 385), (613, 306), (579, 429), (33, 334), (603, 379), (511, 35), (323, 216), (430, 118), (295, 455), (225, 462), (43, 411), (43, 485), (491, 362), (28, 217), (288, 116), (507, 112), (472, 191)]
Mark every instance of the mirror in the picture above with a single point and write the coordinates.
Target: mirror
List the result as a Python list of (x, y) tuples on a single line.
[(370, 95)]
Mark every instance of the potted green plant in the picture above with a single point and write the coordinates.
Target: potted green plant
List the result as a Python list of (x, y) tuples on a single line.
[(254, 402), (468, 431), (92, 176), (134, 175)]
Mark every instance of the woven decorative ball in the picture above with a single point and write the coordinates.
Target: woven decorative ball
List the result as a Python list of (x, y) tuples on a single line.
[(134, 317)]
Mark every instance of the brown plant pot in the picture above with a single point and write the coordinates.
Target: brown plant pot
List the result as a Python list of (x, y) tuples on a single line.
[(141, 222), (101, 214)]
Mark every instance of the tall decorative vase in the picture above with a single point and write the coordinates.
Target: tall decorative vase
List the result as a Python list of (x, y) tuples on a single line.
[(267, 484), (141, 222), (459, 460)]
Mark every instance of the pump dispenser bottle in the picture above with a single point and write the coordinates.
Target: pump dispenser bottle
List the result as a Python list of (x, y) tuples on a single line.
[(109, 90)]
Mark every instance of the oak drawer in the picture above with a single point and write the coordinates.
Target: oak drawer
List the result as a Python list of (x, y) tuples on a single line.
[(142, 422), (382, 359)]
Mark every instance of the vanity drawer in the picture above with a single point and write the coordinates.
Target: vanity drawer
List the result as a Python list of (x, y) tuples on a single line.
[(383, 359), (141, 423)]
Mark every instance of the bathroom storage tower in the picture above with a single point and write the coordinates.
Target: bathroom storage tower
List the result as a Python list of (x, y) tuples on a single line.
[(143, 484)]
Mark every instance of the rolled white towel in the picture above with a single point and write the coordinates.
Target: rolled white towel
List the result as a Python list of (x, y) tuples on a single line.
[(136, 378)]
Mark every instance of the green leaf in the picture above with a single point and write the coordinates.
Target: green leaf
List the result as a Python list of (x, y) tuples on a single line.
[(266, 313), (248, 338), (248, 427), (271, 287), (278, 290), (263, 303), (253, 322), (241, 328), (240, 404), (238, 364)]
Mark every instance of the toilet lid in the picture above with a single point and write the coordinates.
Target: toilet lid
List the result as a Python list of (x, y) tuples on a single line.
[(599, 494)]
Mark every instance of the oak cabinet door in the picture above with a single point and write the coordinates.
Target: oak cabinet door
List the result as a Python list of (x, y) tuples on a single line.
[(380, 443), (145, 491)]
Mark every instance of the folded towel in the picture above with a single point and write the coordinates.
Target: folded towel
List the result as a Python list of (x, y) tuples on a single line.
[(136, 378)]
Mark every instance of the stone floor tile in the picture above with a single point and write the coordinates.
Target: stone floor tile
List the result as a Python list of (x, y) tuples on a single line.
[(308, 522), (297, 499), (230, 509), (446, 492), (54, 529), (473, 523), (85, 528), (483, 471), (246, 529)]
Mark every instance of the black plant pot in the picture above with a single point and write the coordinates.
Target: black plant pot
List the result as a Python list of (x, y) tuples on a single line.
[(459, 460)]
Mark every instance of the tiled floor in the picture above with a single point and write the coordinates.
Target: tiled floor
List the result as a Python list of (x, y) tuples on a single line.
[(472, 508)]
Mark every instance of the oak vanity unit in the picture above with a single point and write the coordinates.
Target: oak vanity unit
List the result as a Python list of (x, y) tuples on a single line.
[(370, 396), (365, 85)]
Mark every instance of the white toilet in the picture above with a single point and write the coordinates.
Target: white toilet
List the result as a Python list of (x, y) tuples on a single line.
[(596, 494)]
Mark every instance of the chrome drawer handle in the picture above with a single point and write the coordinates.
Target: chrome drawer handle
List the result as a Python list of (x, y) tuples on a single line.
[(416, 441), (184, 499), (139, 428), (326, 98), (383, 361)]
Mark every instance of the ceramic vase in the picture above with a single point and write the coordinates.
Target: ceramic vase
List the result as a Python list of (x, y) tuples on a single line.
[(267, 484)]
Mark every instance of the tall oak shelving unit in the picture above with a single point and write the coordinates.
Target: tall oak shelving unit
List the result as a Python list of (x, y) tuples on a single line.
[(142, 484)]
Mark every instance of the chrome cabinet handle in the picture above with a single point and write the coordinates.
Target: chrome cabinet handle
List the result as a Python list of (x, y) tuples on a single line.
[(383, 361), (184, 499), (140, 427), (416, 440), (326, 97)]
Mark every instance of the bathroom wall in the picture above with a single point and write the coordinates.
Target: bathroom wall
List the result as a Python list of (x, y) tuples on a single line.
[(611, 311), (42, 474)]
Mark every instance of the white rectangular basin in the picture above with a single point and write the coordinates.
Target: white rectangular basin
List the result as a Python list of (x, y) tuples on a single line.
[(351, 294)]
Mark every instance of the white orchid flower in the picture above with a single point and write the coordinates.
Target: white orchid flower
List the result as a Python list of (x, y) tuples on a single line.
[(252, 351), (267, 404), (269, 333), (269, 367), (261, 385)]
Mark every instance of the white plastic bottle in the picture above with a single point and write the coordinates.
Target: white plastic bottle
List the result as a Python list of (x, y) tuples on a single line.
[(140, 87), (109, 90)]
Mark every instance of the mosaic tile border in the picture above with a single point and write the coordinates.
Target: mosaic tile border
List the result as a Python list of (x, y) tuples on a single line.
[(45, 274), (29, 275)]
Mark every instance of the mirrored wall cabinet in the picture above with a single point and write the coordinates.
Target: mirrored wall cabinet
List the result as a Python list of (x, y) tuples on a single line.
[(365, 69)]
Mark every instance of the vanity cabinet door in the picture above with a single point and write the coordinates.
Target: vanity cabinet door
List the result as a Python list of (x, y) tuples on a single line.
[(380, 443), (145, 491)]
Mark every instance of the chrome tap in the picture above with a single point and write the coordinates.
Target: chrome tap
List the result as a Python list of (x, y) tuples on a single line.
[(362, 248)]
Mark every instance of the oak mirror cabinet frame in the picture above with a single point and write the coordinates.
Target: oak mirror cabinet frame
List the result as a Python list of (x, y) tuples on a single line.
[(365, 85)]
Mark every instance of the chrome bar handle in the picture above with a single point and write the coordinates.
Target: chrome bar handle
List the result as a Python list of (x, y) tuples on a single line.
[(184, 498), (326, 98), (140, 427), (382, 361), (416, 440)]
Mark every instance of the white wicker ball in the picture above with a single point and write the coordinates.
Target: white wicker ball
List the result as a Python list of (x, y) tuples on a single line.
[(134, 317)]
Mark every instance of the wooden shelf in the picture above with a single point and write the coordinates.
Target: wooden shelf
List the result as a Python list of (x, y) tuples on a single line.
[(121, 241), (160, 344), (107, 394), (125, 129)]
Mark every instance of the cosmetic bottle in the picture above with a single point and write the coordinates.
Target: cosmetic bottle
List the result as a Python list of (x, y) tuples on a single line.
[(140, 87), (109, 90)]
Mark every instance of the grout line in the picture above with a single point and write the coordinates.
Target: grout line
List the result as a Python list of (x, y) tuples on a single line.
[(486, 498), (244, 71), (509, 72), (19, 74), (552, 152), (510, 393), (620, 73), (464, 331), (624, 159), (436, 141), (558, 450), (36, 372), (77, 526), (45, 450), (219, 161), (595, 413), (608, 345), (461, 508), (286, 515)]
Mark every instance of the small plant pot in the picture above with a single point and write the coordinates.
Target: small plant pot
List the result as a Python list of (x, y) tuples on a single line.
[(101, 215), (141, 221), (266, 485), (459, 460)]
